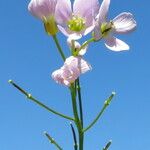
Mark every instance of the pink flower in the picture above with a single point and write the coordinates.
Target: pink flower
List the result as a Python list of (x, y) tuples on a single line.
[(71, 70), (79, 21), (123, 23), (45, 10)]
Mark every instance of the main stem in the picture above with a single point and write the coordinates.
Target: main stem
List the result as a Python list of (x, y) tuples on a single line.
[(80, 100), (81, 111), (77, 120)]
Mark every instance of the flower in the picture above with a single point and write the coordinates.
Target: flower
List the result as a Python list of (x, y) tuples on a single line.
[(45, 10), (71, 70), (123, 23), (75, 47), (79, 21)]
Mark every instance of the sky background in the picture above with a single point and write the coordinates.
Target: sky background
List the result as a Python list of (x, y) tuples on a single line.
[(29, 56)]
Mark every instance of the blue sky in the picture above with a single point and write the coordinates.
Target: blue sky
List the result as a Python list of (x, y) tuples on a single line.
[(29, 56)]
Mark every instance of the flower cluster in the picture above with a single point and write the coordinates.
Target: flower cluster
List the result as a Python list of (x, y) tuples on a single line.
[(76, 21)]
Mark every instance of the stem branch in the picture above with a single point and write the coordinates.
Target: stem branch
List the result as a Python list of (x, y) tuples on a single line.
[(52, 141), (107, 145), (74, 137), (29, 96), (106, 104)]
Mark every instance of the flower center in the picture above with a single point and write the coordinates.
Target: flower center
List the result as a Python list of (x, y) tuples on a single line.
[(106, 28), (76, 24)]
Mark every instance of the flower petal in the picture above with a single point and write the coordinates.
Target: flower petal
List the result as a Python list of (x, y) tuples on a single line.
[(83, 50), (63, 11), (59, 76), (86, 9), (124, 23), (75, 36), (73, 44), (42, 8), (69, 34), (89, 29), (78, 62), (115, 44), (65, 31), (97, 32), (103, 11)]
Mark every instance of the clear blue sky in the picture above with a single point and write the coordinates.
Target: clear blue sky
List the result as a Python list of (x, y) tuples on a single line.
[(28, 56)]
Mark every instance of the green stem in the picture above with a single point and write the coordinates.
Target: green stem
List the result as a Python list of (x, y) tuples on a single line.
[(80, 110), (86, 43), (59, 47), (106, 104), (80, 100), (77, 120), (107, 145), (29, 96), (76, 53), (52, 141), (74, 137)]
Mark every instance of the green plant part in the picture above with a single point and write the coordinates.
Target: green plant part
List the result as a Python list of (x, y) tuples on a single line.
[(76, 24), (50, 25), (106, 28)]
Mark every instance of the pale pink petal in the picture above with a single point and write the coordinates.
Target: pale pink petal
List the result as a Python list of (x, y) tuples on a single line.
[(89, 29), (86, 9), (84, 66), (77, 45), (65, 31), (75, 36), (78, 62), (70, 73), (97, 32), (57, 76), (103, 11), (42, 8), (115, 44), (69, 34), (73, 44), (124, 23), (63, 11), (83, 50)]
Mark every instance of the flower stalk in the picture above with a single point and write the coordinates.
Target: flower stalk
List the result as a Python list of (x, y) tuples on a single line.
[(52, 141), (107, 145), (30, 97), (74, 137), (59, 47), (106, 104)]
